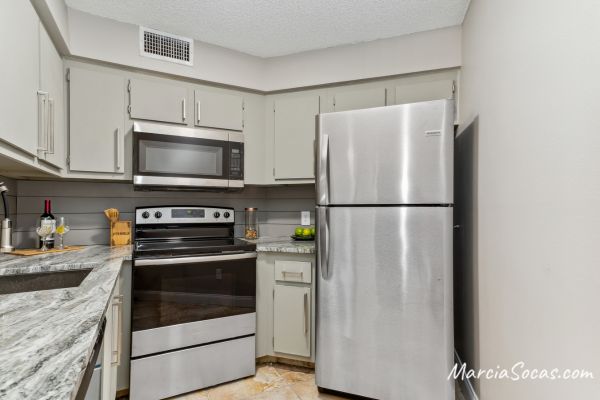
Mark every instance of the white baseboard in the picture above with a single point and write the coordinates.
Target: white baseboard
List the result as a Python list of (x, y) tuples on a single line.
[(465, 385)]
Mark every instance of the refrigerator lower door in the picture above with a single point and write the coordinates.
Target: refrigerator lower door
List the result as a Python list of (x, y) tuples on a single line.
[(384, 296)]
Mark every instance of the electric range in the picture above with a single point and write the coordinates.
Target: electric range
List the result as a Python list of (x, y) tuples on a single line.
[(194, 301)]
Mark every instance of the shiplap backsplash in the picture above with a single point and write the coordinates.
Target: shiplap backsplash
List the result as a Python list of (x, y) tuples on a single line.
[(83, 203)]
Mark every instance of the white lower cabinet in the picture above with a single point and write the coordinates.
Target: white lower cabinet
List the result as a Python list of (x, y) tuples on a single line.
[(285, 306), (291, 319), (112, 350)]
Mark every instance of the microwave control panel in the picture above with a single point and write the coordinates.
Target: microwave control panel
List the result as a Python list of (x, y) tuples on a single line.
[(236, 160)]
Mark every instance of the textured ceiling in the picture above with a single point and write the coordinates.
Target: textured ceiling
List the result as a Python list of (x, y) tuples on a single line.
[(269, 28)]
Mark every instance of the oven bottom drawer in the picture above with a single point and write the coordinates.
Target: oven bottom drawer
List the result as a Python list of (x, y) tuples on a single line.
[(150, 341), (182, 371)]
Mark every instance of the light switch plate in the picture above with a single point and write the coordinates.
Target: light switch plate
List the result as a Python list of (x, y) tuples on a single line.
[(305, 218)]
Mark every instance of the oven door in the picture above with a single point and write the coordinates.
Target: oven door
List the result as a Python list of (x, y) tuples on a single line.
[(189, 301), (186, 157)]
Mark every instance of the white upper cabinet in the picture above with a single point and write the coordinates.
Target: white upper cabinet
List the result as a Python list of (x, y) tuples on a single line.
[(97, 121), (357, 99), (20, 69), (158, 101), (424, 91), (218, 110), (51, 130), (294, 128)]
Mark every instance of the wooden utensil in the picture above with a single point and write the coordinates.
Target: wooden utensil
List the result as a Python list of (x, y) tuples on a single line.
[(112, 214)]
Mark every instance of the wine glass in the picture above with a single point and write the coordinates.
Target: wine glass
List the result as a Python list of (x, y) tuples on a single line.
[(43, 232), (62, 229)]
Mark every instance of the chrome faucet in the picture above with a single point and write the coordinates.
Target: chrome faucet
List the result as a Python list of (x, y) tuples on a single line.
[(6, 234)]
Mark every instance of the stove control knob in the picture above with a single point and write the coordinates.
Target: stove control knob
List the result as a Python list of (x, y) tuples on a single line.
[(158, 214), (217, 214), (226, 214), (145, 214)]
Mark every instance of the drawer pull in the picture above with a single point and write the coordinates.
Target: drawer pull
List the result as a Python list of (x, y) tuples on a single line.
[(300, 274)]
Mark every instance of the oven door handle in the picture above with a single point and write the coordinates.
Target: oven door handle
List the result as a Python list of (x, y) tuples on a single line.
[(193, 260)]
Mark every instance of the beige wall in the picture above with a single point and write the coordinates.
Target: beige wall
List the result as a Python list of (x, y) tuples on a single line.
[(111, 41), (530, 74), (422, 51)]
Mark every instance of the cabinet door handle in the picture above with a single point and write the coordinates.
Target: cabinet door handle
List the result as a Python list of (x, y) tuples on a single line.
[(50, 133), (117, 328), (198, 112), (118, 149), (305, 313), (42, 122), (183, 111)]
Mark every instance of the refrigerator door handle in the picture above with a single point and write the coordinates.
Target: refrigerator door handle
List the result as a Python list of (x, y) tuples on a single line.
[(323, 171), (323, 236)]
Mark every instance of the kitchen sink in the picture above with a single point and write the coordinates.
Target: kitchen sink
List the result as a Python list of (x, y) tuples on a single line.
[(42, 281)]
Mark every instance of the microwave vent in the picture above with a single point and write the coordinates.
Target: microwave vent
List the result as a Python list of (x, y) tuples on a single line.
[(166, 46)]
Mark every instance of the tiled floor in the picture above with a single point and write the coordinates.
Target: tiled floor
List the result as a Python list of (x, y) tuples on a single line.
[(271, 382)]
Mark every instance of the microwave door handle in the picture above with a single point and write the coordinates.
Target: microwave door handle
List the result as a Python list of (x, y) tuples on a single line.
[(183, 110), (194, 260), (198, 112)]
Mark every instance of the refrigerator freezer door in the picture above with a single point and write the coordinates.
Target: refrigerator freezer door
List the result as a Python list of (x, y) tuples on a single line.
[(384, 315), (387, 155)]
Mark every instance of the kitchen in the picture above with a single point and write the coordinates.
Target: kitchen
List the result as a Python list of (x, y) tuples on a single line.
[(197, 123)]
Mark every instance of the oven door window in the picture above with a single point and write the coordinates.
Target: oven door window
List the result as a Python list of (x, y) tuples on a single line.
[(173, 294), (162, 155)]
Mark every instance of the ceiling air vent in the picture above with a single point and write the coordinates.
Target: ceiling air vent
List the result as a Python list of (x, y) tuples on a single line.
[(165, 46)]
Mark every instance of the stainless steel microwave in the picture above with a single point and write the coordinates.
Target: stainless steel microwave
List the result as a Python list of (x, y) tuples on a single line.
[(172, 157)]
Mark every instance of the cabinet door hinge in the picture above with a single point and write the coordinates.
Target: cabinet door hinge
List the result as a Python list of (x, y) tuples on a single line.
[(334, 102), (453, 87), (273, 341), (68, 74), (129, 85), (273, 175), (68, 161), (129, 109)]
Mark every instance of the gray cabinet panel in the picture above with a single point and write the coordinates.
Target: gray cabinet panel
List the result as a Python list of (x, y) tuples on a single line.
[(96, 121), (218, 110), (424, 91), (51, 82), (292, 320), (158, 101), (19, 69), (357, 99), (294, 126)]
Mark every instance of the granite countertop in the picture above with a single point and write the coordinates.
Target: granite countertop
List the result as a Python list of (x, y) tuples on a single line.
[(46, 337), (283, 244)]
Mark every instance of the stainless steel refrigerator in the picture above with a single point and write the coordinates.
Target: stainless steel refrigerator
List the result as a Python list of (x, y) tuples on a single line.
[(384, 251)]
